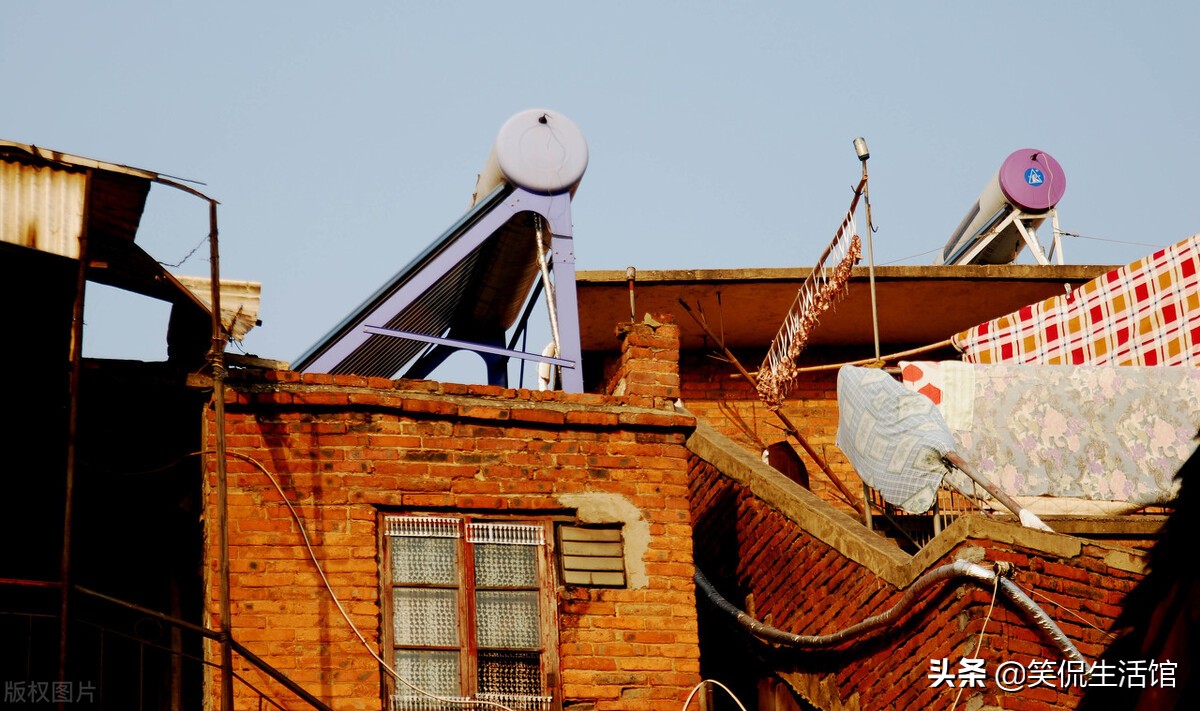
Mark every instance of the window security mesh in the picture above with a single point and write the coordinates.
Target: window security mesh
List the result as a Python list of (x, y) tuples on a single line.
[(434, 671), (402, 702), (426, 570), (457, 703), (506, 533), (424, 526), (507, 672), (424, 561), (519, 703)]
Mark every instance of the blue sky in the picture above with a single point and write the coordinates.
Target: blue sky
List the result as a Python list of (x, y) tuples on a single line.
[(342, 140)]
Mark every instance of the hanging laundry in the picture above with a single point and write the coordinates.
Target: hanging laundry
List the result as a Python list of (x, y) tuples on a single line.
[(1099, 433), (894, 437), (1146, 313)]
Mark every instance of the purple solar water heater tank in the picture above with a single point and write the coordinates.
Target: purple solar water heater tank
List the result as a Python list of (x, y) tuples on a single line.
[(1013, 204), (1032, 180)]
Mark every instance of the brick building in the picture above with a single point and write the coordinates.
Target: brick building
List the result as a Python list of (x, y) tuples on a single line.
[(562, 576), (532, 549), (382, 452)]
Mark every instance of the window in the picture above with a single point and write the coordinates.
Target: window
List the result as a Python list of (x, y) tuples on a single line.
[(470, 612)]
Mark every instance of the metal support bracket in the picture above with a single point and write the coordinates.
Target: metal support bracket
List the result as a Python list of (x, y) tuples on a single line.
[(1023, 222), (350, 348)]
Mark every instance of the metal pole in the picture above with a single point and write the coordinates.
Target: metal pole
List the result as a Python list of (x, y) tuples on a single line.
[(216, 358), (871, 259), (631, 276), (544, 267), (1024, 515), (76, 362), (177, 623)]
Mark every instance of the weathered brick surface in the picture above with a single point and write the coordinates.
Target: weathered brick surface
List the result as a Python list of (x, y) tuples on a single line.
[(344, 448), (761, 559), (648, 364)]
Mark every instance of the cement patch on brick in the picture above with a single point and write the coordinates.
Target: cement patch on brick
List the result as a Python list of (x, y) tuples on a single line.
[(595, 507)]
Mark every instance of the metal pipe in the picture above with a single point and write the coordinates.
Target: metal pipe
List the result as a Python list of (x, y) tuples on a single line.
[(76, 363), (871, 257), (216, 358), (281, 678), (522, 330), (21, 582), (631, 276), (174, 621), (209, 634), (1027, 518), (957, 569), (544, 267)]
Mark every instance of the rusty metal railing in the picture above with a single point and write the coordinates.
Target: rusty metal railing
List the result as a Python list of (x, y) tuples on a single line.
[(118, 667)]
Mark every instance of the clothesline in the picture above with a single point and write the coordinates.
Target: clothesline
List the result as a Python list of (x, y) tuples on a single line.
[(868, 361)]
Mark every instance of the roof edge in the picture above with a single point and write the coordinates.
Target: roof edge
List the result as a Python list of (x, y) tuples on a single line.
[(1054, 272), (53, 156)]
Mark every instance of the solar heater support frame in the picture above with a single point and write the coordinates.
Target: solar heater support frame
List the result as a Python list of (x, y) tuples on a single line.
[(1024, 223), (555, 209)]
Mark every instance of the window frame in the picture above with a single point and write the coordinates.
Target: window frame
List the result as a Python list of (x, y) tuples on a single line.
[(467, 587)]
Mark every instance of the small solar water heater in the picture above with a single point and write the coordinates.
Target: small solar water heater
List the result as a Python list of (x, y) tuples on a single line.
[(1005, 217), (482, 277)]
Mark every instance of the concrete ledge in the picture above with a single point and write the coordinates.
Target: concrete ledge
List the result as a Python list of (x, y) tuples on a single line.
[(486, 403), (811, 512), (865, 547)]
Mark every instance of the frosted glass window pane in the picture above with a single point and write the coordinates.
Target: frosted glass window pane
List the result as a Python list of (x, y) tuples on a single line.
[(500, 566), (510, 673), (424, 560), (507, 618), (425, 617), (433, 671)]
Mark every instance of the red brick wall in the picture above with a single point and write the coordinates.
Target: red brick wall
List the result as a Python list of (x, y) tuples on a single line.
[(346, 448), (648, 365), (768, 564)]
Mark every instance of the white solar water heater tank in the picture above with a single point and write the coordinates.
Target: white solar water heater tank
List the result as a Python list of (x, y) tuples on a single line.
[(539, 150), (1029, 180)]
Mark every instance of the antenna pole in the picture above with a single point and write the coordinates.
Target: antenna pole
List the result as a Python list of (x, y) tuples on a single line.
[(860, 147)]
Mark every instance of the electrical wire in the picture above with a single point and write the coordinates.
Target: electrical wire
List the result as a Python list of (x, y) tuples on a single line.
[(474, 703), (911, 256), (713, 682), (979, 644), (1076, 615), (1061, 232), (186, 256), (1115, 241)]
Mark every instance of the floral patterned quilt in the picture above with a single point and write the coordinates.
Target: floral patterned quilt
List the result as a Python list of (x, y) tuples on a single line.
[(1112, 433)]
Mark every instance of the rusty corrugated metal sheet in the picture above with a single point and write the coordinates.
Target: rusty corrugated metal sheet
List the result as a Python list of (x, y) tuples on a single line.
[(42, 195), (41, 206)]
